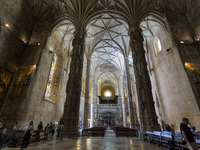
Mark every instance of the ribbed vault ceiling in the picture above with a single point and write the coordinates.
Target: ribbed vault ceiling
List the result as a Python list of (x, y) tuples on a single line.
[(107, 23)]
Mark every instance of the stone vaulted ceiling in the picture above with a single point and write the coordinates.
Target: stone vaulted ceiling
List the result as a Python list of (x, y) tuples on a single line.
[(107, 23)]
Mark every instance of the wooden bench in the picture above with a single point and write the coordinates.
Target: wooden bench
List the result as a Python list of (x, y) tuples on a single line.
[(15, 138), (38, 135), (43, 136), (94, 131), (1, 132), (160, 138), (181, 143), (121, 131), (156, 138), (167, 139), (18, 138), (7, 138), (147, 136), (198, 142)]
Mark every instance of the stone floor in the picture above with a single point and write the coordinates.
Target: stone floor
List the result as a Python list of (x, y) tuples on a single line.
[(108, 142)]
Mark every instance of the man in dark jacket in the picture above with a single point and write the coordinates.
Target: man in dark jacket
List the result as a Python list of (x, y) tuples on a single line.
[(188, 135), (40, 126)]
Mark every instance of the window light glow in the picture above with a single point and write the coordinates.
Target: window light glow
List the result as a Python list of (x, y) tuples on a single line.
[(7, 25), (157, 45), (108, 94)]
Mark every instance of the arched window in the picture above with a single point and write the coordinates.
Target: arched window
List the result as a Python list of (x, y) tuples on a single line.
[(157, 45), (51, 75)]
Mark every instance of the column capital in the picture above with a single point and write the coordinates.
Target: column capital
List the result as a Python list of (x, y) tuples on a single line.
[(79, 37), (89, 59), (126, 59), (80, 31)]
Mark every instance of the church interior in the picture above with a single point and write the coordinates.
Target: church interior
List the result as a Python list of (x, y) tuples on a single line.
[(133, 64)]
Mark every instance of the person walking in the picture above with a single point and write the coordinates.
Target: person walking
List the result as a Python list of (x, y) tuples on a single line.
[(27, 135), (188, 135)]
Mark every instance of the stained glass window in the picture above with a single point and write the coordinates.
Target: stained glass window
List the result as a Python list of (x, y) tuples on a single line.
[(48, 89)]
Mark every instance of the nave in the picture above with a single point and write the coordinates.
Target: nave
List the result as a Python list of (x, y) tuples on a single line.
[(80, 64)]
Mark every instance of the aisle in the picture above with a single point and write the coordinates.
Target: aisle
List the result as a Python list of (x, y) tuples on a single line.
[(109, 133)]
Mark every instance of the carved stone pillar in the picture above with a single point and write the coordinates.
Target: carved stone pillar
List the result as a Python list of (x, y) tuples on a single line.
[(129, 94), (120, 121), (148, 118), (92, 102), (123, 101), (87, 91), (72, 104)]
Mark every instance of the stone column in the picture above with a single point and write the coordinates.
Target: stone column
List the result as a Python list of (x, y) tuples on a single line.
[(129, 94), (120, 105), (92, 102), (123, 101), (72, 104), (95, 105), (148, 118), (87, 91)]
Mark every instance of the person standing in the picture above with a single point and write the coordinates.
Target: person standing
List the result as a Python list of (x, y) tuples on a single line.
[(27, 135), (193, 128), (58, 130), (46, 130), (40, 126), (50, 128), (0, 124), (53, 129), (188, 135), (4, 125), (61, 130), (168, 128), (15, 126)]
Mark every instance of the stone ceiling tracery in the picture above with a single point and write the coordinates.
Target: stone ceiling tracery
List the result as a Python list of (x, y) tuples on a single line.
[(107, 23)]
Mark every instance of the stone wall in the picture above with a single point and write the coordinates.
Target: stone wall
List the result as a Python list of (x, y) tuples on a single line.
[(39, 108), (14, 14), (25, 65), (171, 84), (190, 54)]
